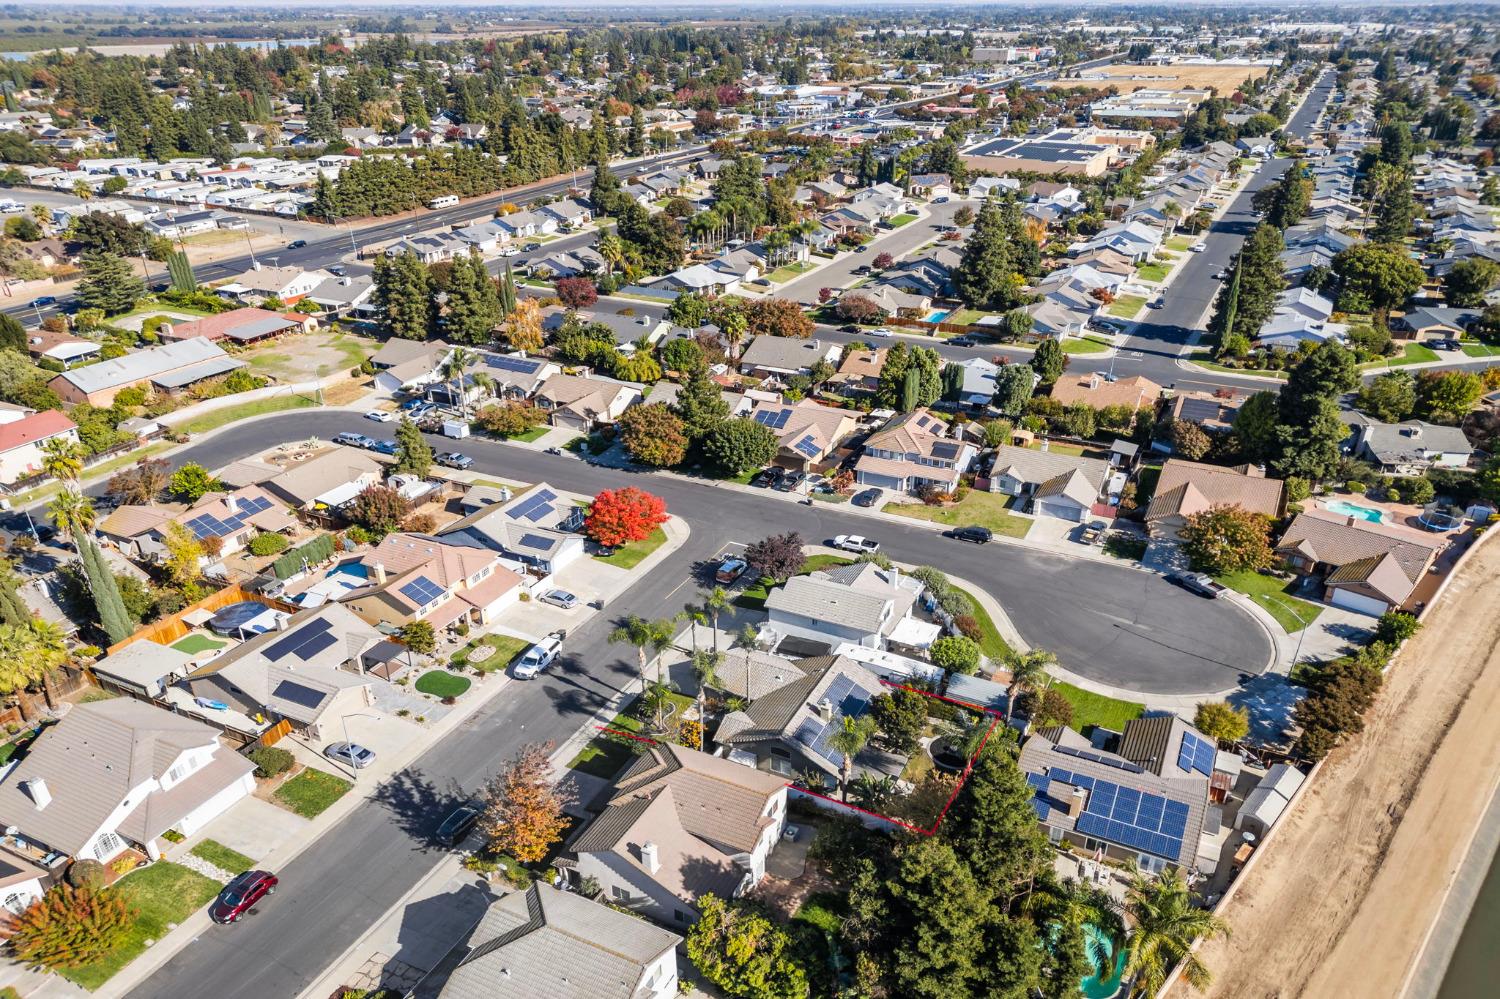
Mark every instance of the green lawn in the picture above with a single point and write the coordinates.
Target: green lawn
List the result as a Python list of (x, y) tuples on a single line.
[(194, 644), (1153, 272), (605, 754), (753, 596), (902, 219), (1090, 708), (991, 642), (1275, 597), (1086, 345), (631, 555), (1181, 243), (222, 857), (161, 894), (789, 271), (244, 411), (966, 317), (978, 508), (1415, 353), (506, 647), (441, 683), (1126, 306), (527, 436), (1125, 546), (1475, 349), (311, 792)]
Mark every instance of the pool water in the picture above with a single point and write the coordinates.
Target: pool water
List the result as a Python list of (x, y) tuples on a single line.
[(1109, 967), (937, 315), (1346, 509)]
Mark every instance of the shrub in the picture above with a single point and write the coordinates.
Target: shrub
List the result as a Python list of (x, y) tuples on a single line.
[(268, 543), (270, 761), (968, 627), (71, 927), (124, 864), (85, 874)]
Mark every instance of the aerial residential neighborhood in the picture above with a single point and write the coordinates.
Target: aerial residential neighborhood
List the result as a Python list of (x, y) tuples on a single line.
[(901, 502)]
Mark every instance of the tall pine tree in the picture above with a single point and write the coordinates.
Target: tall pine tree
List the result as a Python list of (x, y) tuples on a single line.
[(473, 308), (105, 590), (403, 292)]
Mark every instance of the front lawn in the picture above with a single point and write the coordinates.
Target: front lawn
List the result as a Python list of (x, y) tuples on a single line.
[(1090, 708), (506, 647), (1204, 358), (311, 792), (161, 895), (605, 753), (788, 271), (902, 219), (441, 683), (1415, 353), (991, 642), (1154, 273), (244, 411), (1084, 345), (1474, 349), (981, 509), (222, 857), (1130, 547), (1180, 243), (1126, 306), (1275, 597), (631, 555), (527, 436)]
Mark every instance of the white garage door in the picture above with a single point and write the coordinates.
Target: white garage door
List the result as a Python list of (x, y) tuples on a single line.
[(1358, 602), (1061, 510)]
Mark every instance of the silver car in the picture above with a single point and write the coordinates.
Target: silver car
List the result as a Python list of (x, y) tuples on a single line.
[(560, 598), (351, 754)]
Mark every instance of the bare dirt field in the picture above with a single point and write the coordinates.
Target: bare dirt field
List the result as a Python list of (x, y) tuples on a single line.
[(1129, 78), (1342, 902)]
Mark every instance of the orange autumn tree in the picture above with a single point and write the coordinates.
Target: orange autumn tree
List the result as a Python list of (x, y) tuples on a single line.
[(70, 927), (523, 811), (620, 516)]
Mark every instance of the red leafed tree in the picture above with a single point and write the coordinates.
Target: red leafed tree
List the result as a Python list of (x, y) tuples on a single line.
[(883, 260), (619, 516), (523, 806), (576, 292)]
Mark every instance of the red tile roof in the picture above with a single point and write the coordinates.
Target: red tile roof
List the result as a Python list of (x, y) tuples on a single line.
[(33, 428)]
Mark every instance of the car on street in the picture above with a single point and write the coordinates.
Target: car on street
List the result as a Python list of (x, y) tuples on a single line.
[(530, 247), (1198, 582), (457, 825), (296, 244), (730, 569), (337, 270), (353, 439), (379, 416), (964, 341), (539, 657), (44, 300), (560, 598), (452, 459), (1156, 303), (510, 251), (856, 543), (350, 754), (849, 328), (978, 535), (11, 207), (1198, 247), (880, 331), (861, 248), (870, 497), (241, 894), (862, 269), (386, 446), (552, 450)]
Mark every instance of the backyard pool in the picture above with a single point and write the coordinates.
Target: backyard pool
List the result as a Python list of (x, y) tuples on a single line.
[(1346, 509), (938, 315), (1109, 966)]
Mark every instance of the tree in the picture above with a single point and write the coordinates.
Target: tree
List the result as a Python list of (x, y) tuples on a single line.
[(576, 292), (700, 405), (109, 284), (1189, 440), (883, 260), (911, 377), (1027, 671), (62, 458), (777, 317), (849, 738), (415, 455), (472, 310), (70, 927), (1248, 298), (379, 509), (689, 310), (1447, 396), (1227, 538), (184, 561), (643, 634), (1222, 721), (682, 355), (778, 556), (1394, 210), (742, 952), (1048, 362), (191, 482), (419, 636), (1376, 276), (72, 513), (523, 806), (141, 483), (405, 296), (620, 516), (1164, 926), (963, 217), (523, 327), (901, 717), (955, 653), (510, 418), (654, 434), (1395, 627), (986, 277), (1014, 384), (857, 307), (1311, 449), (12, 334), (1390, 397), (1285, 202), (639, 366), (1340, 694), (1051, 707), (1467, 282), (739, 445), (116, 621)]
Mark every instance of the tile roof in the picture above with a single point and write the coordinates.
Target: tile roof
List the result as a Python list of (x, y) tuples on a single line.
[(1032, 466), (751, 673), (34, 428), (1188, 487), (687, 866), (1333, 540), (718, 801), (1135, 391)]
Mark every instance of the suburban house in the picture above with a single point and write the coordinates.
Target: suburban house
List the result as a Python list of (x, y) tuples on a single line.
[(170, 368), (63, 348), (547, 942), (1212, 412), (860, 603), (1364, 567), (120, 773), (584, 402), (21, 441), (413, 577), (409, 365), (1065, 486), (679, 824), (516, 376), (233, 518), (1188, 487), (1167, 746), (343, 296), (537, 527), (326, 482), (860, 369), (750, 673), (240, 326), (785, 731), (1407, 448), (144, 668), (781, 356), (808, 433), (1093, 389), (913, 452), (259, 283)]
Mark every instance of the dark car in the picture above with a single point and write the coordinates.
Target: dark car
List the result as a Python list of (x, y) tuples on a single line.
[(532, 247), (861, 269), (869, 497), (974, 533), (386, 447), (241, 894), (765, 477), (457, 825), (964, 341), (849, 328), (296, 244), (337, 270)]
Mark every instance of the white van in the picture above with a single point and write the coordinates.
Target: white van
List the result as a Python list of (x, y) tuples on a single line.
[(446, 201)]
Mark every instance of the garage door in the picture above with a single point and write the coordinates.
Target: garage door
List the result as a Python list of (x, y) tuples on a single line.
[(1358, 602), (1062, 511)]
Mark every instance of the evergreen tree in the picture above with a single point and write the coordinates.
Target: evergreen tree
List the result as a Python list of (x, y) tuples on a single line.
[(984, 277), (507, 291), (1226, 306), (604, 194), (113, 617), (1048, 362), (403, 292), (700, 404), (637, 132), (473, 307), (12, 333), (415, 455), (109, 284), (1394, 213)]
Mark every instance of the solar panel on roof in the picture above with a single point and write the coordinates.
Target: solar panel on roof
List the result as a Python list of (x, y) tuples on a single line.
[(421, 591), (1196, 754), (282, 648), (808, 732), (296, 693), (313, 646), (945, 450), (254, 505), (536, 541), (534, 508), (502, 363), (807, 447), (773, 418), (922, 421)]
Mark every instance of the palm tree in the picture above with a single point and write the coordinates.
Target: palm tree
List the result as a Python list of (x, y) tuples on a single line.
[(643, 634), (73, 514), (852, 735), (655, 699), (453, 372), (1026, 671), (1164, 925), (612, 249), (694, 615), (715, 601), (62, 458), (706, 672), (486, 383)]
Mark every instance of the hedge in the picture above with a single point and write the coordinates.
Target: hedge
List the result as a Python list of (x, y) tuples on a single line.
[(270, 761), (313, 552), (268, 543)]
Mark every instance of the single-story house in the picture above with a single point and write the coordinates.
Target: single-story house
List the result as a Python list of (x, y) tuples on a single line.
[(328, 481), (780, 355), (1188, 487), (1064, 486), (1364, 567), (170, 368), (584, 402), (1093, 389), (413, 577), (861, 604), (1407, 448), (241, 326), (537, 527)]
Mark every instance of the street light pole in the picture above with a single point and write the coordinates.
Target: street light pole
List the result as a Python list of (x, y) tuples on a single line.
[(344, 720)]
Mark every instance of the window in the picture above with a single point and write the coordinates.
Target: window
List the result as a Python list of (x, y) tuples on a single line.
[(780, 766), (107, 845), (16, 903), (178, 772), (620, 894), (679, 915)]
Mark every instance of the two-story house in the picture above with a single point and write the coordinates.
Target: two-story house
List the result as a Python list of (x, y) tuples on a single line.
[(861, 603), (913, 452), (414, 577)]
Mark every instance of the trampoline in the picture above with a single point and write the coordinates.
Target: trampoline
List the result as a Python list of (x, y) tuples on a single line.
[(242, 619)]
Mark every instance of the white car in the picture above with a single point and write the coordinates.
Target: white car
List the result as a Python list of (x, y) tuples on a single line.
[(510, 251), (379, 416), (1198, 247), (11, 207), (538, 657), (878, 331), (855, 543)]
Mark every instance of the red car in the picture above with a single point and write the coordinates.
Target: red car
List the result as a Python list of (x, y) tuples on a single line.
[(241, 894)]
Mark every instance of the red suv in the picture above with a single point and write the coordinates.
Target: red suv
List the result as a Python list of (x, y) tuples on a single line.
[(240, 894)]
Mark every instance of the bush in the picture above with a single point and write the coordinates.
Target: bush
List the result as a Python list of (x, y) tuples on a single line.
[(270, 761), (268, 543), (85, 874)]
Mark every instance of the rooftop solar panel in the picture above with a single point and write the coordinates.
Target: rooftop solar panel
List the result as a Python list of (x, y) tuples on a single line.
[(806, 447), (946, 450), (521, 364), (421, 590), (296, 693), (537, 541), (313, 646), (280, 649)]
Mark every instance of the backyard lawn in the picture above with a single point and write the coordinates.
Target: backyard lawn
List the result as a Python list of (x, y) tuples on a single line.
[(1090, 708), (311, 792), (1126, 306), (1275, 597), (629, 556), (966, 317), (222, 857), (441, 683), (977, 508), (161, 894), (244, 411), (195, 643), (1152, 272), (506, 647)]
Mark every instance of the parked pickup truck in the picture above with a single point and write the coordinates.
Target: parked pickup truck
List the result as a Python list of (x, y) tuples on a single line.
[(1198, 582)]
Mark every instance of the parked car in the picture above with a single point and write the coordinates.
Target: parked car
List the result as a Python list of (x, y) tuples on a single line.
[(560, 598), (529, 247), (1156, 303), (412, 405), (1444, 343), (241, 894), (352, 439), (730, 569), (1093, 532), (766, 478), (510, 251), (967, 340), (296, 244), (1198, 247), (793, 481), (861, 248), (1200, 583), (351, 754), (978, 535), (849, 328), (379, 416), (452, 459), (457, 825), (387, 446), (539, 657), (856, 543), (337, 270), (870, 497), (861, 269), (878, 331), (553, 450)]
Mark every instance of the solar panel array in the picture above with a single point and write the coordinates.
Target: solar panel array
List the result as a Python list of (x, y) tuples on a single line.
[(525, 365), (209, 526), (537, 541), (1137, 819), (1109, 761), (1039, 800), (922, 421), (807, 447), (849, 700), (297, 694), (1196, 754), (421, 591), (303, 644), (945, 450), (775, 419), (534, 508)]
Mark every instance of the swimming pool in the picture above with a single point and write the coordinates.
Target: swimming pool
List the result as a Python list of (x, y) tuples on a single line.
[(1346, 509), (1109, 967), (938, 315)]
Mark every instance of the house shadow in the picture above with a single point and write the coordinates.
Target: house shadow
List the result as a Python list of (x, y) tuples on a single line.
[(418, 805), (1270, 700), (435, 936)]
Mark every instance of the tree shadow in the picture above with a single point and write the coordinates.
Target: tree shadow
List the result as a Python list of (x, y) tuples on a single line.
[(419, 805)]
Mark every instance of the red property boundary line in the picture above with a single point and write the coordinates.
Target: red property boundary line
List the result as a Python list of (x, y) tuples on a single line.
[(964, 779)]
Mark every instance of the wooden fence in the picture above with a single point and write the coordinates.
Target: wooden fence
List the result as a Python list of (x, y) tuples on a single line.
[(171, 629)]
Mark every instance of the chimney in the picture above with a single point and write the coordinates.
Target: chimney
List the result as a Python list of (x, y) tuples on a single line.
[(825, 709), (379, 569), (1075, 803), (649, 857), (37, 788), (282, 621), (233, 503)]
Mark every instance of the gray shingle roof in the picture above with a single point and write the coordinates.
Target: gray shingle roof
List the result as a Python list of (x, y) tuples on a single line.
[(151, 363)]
